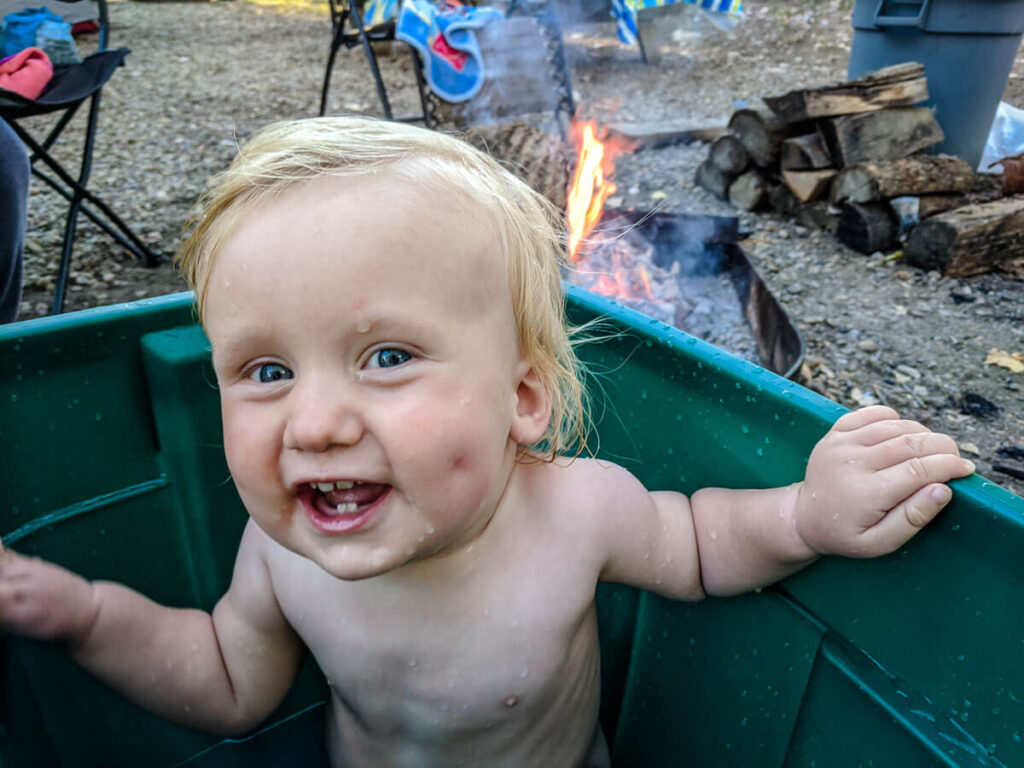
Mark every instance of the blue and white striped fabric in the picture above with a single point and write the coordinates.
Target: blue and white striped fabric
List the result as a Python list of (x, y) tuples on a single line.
[(625, 11)]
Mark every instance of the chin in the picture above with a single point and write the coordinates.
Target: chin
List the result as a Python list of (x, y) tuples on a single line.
[(358, 567)]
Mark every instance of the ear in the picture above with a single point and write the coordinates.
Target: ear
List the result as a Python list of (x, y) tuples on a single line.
[(533, 407)]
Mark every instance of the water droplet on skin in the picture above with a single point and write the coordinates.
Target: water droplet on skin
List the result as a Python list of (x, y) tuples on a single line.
[(362, 325), (511, 701), (713, 534), (487, 612), (525, 672), (412, 662), (835, 516), (430, 528)]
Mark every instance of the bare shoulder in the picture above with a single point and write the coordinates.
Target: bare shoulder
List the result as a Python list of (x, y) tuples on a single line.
[(585, 489)]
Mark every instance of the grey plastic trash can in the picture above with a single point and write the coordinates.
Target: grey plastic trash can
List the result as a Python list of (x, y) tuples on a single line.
[(967, 48)]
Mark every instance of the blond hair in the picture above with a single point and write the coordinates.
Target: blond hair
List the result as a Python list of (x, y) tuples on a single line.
[(529, 230)]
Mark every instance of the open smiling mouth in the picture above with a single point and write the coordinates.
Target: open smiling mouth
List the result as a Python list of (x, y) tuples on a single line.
[(341, 506)]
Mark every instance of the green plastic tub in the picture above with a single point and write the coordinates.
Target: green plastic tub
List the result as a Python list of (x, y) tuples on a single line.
[(112, 465)]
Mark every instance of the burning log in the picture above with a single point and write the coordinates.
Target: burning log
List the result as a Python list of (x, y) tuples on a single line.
[(897, 86), (867, 228), (915, 175), (809, 186), (972, 240), (729, 154), (749, 192), (762, 133), (804, 153), (713, 179), (883, 135)]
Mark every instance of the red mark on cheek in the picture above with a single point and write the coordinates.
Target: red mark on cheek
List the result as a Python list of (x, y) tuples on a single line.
[(358, 304)]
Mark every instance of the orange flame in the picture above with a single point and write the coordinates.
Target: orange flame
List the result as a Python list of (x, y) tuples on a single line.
[(589, 189)]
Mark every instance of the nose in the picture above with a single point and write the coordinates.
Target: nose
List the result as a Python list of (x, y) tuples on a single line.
[(324, 413)]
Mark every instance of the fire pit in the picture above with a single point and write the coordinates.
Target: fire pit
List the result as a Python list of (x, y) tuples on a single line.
[(688, 271)]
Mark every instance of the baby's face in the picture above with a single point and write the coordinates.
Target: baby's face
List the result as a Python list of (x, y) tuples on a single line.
[(366, 353)]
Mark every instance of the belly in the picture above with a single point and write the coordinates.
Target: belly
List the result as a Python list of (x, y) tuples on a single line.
[(531, 702)]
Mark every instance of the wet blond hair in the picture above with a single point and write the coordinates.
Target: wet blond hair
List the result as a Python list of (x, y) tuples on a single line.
[(528, 227)]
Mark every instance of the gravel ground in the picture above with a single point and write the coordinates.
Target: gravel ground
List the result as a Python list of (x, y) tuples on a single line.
[(203, 76)]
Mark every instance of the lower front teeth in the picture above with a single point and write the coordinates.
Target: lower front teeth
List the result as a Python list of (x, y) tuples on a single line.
[(350, 506)]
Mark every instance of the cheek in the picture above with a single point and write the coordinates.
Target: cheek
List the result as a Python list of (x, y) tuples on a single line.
[(248, 446)]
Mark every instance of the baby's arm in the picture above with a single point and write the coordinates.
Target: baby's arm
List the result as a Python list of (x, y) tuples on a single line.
[(872, 483), (223, 672)]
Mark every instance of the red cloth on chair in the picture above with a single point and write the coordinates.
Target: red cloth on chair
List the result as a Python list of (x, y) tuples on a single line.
[(26, 73)]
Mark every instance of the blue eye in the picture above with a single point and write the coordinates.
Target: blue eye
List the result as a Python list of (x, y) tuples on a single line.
[(268, 373), (388, 358)]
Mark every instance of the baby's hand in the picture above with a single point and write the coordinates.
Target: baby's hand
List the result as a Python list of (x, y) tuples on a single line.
[(873, 482), (42, 600)]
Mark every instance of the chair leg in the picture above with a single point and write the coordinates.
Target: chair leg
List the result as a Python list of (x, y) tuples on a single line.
[(130, 240), (357, 20), (76, 203), (339, 32)]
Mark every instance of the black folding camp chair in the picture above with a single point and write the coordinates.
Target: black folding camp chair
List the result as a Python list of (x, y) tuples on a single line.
[(72, 85), (348, 30)]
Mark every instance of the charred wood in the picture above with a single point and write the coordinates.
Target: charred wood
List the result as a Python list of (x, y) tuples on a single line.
[(867, 228)]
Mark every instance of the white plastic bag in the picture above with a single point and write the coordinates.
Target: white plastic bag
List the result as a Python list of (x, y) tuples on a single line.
[(1005, 139)]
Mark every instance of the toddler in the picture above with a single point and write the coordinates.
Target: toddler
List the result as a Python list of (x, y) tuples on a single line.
[(399, 397)]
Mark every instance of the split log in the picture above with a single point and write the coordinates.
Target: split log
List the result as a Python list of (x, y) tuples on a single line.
[(781, 199), (762, 133), (749, 192), (867, 228), (882, 135), (729, 154), (915, 175), (804, 153), (897, 86), (710, 177), (818, 215), (809, 186), (972, 240)]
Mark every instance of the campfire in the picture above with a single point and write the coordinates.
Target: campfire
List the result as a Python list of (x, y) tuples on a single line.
[(683, 269)]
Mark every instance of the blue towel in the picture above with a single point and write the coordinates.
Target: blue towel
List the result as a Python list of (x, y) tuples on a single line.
[(446, 43), (625, 11)]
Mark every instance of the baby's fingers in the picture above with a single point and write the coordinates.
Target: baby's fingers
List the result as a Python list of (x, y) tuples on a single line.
[(907, 478), (862, 417), (905, 519), (909, 446)]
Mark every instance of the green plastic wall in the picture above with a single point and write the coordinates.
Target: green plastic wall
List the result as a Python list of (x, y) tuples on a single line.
[(112, 465)]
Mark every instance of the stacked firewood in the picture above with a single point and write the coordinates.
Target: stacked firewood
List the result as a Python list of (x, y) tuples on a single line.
[(849, 158)]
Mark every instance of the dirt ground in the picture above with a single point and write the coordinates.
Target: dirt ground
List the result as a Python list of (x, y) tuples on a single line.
[(203, 76)]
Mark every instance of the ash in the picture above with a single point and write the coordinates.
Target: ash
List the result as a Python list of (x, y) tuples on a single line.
[(690, 292)]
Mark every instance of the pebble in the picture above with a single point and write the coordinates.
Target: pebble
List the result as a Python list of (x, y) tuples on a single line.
[(867, 345)]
